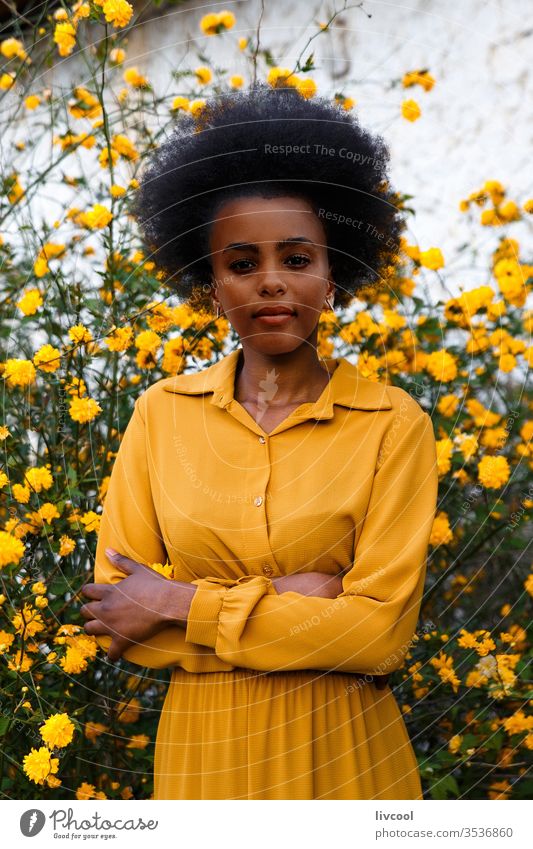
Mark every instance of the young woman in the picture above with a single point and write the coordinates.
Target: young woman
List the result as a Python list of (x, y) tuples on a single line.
[(293, 496)]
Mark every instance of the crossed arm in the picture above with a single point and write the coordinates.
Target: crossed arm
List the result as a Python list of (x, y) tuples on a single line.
[(144, 603)]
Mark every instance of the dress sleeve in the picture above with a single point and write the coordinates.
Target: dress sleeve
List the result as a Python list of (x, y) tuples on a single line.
[(369, 626), (129, 524)]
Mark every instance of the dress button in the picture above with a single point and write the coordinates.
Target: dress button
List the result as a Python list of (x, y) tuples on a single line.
[(267, 570), (258, 500), (262, 440)]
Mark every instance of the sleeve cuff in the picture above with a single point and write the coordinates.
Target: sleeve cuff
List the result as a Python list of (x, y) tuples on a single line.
[(202, 619), (206, 605)]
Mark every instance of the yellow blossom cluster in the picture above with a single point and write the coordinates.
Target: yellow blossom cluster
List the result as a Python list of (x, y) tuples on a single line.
[(217, 22), (502, 211), (283, 77)]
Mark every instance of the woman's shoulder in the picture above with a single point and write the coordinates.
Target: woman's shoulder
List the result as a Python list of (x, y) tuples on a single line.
[(393, 401), (196, 382)]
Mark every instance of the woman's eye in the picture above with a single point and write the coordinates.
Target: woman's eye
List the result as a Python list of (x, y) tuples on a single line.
[(300, 256), (237, 264)]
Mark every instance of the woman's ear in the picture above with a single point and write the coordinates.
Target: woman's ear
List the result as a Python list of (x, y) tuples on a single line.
[(332, 287)]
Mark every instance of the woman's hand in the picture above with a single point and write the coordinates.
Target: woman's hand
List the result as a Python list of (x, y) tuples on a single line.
[(323, 585), (132, 610)]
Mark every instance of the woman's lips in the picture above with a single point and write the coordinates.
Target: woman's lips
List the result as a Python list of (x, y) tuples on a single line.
[(280, 318)]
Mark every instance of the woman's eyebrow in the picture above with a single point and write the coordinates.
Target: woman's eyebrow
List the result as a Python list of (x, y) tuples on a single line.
[(250, 246)]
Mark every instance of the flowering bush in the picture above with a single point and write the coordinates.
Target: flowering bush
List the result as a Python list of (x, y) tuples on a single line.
[(86, 328)]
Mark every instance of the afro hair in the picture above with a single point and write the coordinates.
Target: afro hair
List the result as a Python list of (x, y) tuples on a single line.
[(270, 142)]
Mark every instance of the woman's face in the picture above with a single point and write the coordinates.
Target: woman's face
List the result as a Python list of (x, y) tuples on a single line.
[(270, 252)]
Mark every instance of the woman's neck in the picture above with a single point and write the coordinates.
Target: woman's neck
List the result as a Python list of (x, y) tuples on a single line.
[(281, 379)]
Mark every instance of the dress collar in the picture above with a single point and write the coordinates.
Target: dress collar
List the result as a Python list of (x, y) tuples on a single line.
[(346, 387)]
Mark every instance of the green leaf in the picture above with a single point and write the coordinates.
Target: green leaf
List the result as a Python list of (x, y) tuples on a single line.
[(444, 788)]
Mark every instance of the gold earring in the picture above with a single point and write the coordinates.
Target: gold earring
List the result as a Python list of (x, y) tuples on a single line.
[(218, 311), (329, 304)]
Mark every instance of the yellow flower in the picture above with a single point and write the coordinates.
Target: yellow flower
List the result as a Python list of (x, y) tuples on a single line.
[(85, 791), (138, 741), (119, 339), (422, 78), (64, 37), (509, 211), (94, 729), (455, 743), (203, 74), (11, 48), (117, 55), (39, 764), (134, 78), (518, 722), (128, 711), (281, 77), (148, 340), (117, 191), (236, 81), (47, 358), (21, 493), (67, 546), (307, 88), (91, 520), (493, 471), (84, 409), (441, 365), (432, 258), (411, 110), (117, 12), (441, 532), (499, 790), (444, 666), (74, 661), (38, 478), (57, 731), (32, 101), (242, 42), (80, 334), (216, 22), (11, 549), (7, 80), (97, 217), (196, 106), (47, 512), (19, 372), (506, 362), (468, 444), (167, 570), (30, 301), (5, 640), (180, 103), (29, 622), (447, 405), (124, 147), (444, 453)]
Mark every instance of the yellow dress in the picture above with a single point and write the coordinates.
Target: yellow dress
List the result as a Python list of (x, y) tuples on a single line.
[(271, 694)]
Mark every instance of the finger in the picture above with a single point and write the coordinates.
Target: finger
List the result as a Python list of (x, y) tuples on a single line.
[(95, 626), (116, 649), (89, 611), (120, 560), (94, 591)]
